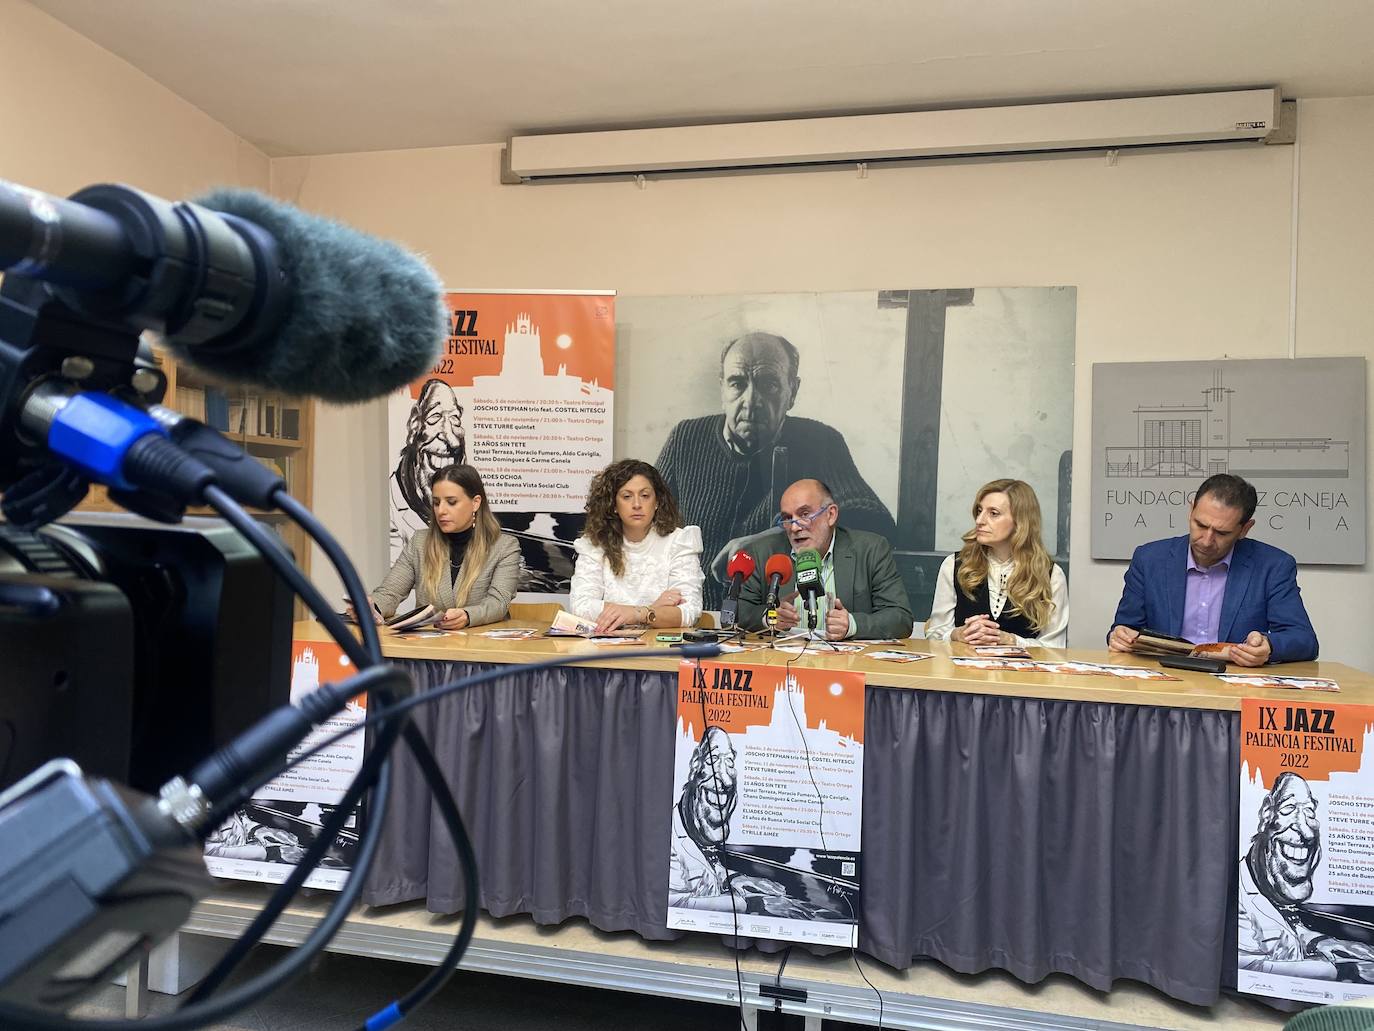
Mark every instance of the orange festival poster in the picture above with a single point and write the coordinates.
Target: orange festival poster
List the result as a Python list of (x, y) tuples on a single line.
[(767, 810), (1305, 873), (524, 392), (265, 837)]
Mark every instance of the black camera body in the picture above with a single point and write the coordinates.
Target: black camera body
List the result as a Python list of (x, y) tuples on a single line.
[(133, 647), (106, 877)]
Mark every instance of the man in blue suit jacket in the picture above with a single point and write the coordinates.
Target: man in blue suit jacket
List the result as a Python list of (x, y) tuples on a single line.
[(1216, 585)]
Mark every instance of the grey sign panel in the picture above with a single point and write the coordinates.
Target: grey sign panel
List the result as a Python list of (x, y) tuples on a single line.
[(1295, 428)]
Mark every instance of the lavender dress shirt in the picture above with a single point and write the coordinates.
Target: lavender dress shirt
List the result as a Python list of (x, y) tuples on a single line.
[(1202, 598)]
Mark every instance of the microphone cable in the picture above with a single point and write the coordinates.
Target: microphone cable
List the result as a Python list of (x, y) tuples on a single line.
[(377, 763), (729, 874), (820, 827), (415, 741), (421, 752), (435, 980), (202, 1013)]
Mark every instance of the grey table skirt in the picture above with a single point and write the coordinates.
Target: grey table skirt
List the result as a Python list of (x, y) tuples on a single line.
[(1027, 835)]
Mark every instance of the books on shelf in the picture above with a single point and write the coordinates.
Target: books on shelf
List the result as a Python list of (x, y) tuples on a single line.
[(216, 409), (272, 464), (248, 414), (190, 401)]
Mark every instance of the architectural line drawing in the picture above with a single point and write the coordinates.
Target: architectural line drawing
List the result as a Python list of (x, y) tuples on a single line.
[(1196, 439)]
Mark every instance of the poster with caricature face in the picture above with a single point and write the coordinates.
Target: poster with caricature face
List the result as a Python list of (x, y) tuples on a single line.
[(1305, 902), (524, 393), (766, 815), (266, 836)]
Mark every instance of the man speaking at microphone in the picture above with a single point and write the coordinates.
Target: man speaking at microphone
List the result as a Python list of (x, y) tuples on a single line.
[(863, 592)]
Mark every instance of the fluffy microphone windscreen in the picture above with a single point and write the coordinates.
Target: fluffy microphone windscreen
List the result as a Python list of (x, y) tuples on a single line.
[(365, 317), (780, 565), (808, 566), (741, 564)]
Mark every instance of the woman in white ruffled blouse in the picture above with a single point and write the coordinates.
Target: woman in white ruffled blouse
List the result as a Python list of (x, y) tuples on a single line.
[(636, 563)]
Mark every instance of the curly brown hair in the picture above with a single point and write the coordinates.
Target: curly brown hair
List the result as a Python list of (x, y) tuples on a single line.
[(603, 524)]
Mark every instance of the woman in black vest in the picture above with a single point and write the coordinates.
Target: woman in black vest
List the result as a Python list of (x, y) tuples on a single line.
[(1002, 588)]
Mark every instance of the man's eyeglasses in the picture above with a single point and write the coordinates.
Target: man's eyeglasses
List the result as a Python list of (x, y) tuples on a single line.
[(801, 520)]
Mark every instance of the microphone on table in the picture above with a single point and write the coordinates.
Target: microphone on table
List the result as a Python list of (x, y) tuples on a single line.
[(741, 568), (777, 569), (809, 582)]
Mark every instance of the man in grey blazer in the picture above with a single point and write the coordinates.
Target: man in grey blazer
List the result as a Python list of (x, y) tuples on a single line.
[(864, 595)]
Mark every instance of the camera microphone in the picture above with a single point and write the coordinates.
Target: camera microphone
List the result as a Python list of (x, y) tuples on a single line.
[(246, 287)]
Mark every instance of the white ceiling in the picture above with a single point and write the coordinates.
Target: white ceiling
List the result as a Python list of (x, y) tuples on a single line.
[(328, 76)]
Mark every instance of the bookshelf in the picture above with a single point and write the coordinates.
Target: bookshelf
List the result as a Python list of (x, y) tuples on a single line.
[(275, 429)]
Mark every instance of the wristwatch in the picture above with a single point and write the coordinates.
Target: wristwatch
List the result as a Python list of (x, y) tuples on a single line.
[(651, 617)]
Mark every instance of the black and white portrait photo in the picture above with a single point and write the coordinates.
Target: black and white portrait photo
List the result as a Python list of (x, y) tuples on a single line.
[(903, 402)]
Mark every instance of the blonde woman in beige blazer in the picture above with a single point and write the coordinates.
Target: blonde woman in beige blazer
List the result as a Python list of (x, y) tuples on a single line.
[(462, 564)]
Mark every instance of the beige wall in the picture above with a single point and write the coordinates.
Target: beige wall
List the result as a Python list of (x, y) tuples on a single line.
[(1176, 255), (75, 114)]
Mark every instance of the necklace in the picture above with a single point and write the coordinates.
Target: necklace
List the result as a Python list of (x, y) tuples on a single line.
[(997, 589)]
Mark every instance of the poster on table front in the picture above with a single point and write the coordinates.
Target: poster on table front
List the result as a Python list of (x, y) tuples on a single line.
[(523, 392), (265, 837), (1306, 869), (767, 802)]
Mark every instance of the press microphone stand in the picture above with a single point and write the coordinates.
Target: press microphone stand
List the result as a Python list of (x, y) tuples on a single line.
[(770, 620), (811, 615), (770, 614)]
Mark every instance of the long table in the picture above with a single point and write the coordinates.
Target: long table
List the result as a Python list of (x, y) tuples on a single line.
[(1029, 822)]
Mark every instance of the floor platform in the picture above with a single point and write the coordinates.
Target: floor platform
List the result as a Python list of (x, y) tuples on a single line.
[(701, 969)]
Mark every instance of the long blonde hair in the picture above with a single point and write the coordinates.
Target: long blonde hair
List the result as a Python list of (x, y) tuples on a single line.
[(1028, 590), (434, 565)]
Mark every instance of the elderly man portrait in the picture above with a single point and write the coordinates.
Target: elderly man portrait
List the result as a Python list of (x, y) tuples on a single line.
[(728, 470)]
